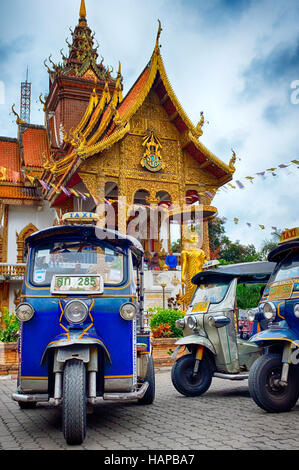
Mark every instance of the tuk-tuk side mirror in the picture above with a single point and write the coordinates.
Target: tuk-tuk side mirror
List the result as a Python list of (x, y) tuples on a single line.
[(218, 321)]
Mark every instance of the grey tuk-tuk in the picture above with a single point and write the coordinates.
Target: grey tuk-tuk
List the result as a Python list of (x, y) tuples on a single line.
[(212, 340)]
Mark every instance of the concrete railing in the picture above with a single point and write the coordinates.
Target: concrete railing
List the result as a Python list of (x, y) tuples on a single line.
[(12, 270)]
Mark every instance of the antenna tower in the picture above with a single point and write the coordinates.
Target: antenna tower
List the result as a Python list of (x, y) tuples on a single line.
[(25, 100)]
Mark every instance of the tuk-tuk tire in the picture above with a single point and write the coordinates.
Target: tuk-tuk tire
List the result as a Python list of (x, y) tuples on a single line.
[(149, 395), (74, 402), (27, 405), (179, 380), (257, 385)]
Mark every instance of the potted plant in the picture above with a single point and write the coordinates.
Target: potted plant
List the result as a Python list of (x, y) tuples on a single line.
[(164, 333), (9, 332)]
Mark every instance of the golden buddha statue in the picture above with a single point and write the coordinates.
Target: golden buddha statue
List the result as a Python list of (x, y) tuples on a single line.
[(192, 260)]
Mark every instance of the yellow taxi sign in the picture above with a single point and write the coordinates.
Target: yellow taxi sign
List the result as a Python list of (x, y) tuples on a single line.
[(80, 217), (289, 235)]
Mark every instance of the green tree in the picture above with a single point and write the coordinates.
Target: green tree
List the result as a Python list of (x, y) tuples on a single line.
[(269, 245), (225, 250)]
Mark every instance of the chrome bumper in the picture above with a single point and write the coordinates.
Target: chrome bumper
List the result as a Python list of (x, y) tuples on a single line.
[(127, 396), (30, 398), (135, 395), (220, 375)]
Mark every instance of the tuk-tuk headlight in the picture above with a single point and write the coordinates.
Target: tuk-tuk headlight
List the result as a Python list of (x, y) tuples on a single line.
[(128, 311), (191, 322), (269, 310), (75, 311), (252, 313), (180, 323), (296, 310), (24, 312)]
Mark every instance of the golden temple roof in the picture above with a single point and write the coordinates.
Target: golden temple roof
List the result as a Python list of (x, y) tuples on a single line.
[(107, 120)]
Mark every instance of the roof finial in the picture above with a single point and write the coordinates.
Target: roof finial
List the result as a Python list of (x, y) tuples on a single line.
[(158, 34), (82, 9)]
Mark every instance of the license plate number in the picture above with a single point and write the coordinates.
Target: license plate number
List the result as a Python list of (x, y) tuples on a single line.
[(77, 284), (200, 307)]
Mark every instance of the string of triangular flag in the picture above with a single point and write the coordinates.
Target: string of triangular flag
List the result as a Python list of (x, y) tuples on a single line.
[(236, 221), (240, 184)]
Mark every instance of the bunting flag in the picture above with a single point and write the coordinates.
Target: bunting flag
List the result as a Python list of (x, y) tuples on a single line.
[(236, 220), (66, 191), (74, 192), (263, 174), (55, 188), (44, 185)]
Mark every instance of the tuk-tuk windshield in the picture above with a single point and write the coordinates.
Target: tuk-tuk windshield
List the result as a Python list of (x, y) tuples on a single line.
[(77, 258), (286, 269), (214, 293)]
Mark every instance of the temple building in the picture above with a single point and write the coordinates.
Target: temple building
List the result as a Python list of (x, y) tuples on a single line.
[(101, 146)]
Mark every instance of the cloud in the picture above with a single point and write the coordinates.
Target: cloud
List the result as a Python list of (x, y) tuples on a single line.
[(235, 60)]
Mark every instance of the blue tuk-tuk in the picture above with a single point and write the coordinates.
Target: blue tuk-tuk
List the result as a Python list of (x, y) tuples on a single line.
[(82, 335), (274, 377)]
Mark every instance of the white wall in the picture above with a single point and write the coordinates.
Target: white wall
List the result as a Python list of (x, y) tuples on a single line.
[(20, 216)]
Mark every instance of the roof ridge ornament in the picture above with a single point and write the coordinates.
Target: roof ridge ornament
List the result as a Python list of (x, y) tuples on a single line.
[(18, 120), (158, 36), (82, 10), (232, 161)]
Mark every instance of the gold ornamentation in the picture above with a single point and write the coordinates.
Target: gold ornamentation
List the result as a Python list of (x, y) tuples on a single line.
[(18, 120), (232, 161), (152, 159), (28, 230), (199, 126)]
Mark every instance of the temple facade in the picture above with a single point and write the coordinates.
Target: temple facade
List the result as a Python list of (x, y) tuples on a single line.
[(99, 146)]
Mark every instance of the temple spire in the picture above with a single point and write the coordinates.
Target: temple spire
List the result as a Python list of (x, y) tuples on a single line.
[(82, 10)]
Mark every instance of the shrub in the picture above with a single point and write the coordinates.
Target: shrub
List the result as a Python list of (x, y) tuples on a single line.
[(10, 330), (248, 295), (166, 316)]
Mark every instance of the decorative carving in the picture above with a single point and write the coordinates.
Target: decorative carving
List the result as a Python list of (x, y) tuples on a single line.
[(28, 230), (152, 159)]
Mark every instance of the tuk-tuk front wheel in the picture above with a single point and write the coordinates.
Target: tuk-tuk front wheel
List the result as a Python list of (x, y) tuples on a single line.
[(185, 381), (149, 395), (264, 387), (74, 402)]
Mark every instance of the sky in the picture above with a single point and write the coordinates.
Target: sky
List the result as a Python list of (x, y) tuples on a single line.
[(235, 60)]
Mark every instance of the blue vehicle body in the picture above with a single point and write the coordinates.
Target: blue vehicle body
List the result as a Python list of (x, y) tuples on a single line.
[(116, 339), (273, 380)]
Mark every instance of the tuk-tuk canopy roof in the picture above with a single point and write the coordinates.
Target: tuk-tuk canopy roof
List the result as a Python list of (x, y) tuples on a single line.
[(282, 250), (254, 273), (85, 232)]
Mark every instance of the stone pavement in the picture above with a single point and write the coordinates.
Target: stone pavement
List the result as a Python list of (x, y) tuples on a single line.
[(224, 418)]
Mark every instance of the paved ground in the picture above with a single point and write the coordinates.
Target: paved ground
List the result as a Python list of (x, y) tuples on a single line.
[(224, 418)]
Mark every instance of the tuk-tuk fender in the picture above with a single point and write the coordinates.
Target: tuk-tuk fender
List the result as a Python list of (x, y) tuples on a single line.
[(76, 339), (277, 334), (194, 339)]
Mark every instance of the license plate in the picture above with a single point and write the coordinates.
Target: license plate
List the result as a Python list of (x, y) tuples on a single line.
[(200, 307), (77, 284), (281, 291)]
